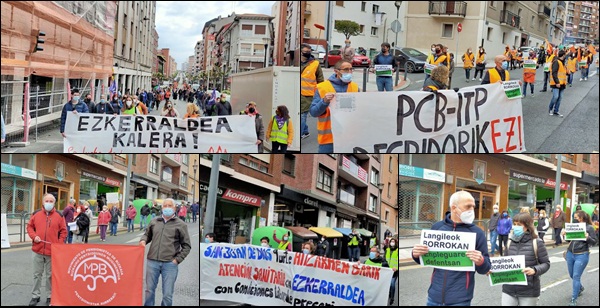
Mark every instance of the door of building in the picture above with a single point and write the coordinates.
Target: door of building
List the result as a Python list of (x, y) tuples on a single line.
[(61, 194), (484, 206)]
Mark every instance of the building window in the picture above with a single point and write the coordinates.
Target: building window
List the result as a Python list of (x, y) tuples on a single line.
[(503, 37), (387, 215), (389, 194), (243, 161), (586, 158), (375, 8), (362, 29), (374, 177), (185, 159), (246, 30), (532, 21), (363, 6), (372, 203), (133, 159), (154, 165), (184, 179), (374, 31), (246, 49), (489, 34), (493, 3), (289, 162), (568, 158), (390, 164), (447, 31), (253, 165), (260, 29), (264, 169), (324, 180), (334, 156), (339, 3)]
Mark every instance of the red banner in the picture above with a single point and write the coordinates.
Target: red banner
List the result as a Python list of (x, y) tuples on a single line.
[(97, 275)]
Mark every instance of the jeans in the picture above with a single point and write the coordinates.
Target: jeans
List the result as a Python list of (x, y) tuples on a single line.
[(508, 300), (384, 83), (525, 88), (556, 98), (194, 216), (393, 286), (467, 73), (480, 73), (424, 81), (585, 72), (353, 253), (69, 238), (113, 228), (546, 76), (502, 239), (143, 221), (576, 263), (303, 126), (154, 269), (326, 148), (130, 225), (557, 237), (278, 147), (430, 302), (570, 78), (493, 240)]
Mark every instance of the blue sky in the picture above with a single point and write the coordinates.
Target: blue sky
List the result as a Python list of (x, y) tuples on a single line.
[(179, 23)]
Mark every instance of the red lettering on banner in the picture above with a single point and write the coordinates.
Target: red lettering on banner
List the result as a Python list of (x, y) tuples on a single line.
[(510, 134), (217, 151), (494, 135)]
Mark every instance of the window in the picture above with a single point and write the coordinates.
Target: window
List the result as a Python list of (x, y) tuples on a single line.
[(372, 203), (185, 159), (246, 30), (493, 3), (334, 156), (184, 177), (260, 29), (568, 158), (363, 6), (389, 194), (259, 49), (374, 177), (339, 3), (532, 21), (154, 165), (373, 30), (375, 8), (387, 215), (253, 164), (390, 164), (362, 29), (489, 34), (289, 162), (133, 159), (243, 161), (324, 180), (447, 32), (586, 158), (246, 49), (503, 37)]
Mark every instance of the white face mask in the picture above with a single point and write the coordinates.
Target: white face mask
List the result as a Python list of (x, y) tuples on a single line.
[(467, 217), (264, 245), (496, 211)]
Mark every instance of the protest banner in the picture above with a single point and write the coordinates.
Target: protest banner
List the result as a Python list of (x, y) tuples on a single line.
[(508, 270), (575, 232), (100, 133), (447, 249), (4, 232), (97, 275), (266, 277), (383, 70), (477, 119)]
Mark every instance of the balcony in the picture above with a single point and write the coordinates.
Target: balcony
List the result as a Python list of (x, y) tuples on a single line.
[(561, 5), (347, 197), (560, 22), (352, 172), (509, 18), (448, 8), (307, 10), (544, 11), (306, 33)]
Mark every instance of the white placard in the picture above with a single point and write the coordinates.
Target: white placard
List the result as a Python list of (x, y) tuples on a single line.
[(447, 249), (508, 270)]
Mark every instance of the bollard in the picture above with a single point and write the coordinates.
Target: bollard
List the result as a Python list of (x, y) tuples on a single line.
[(397, 73), (365, 76)]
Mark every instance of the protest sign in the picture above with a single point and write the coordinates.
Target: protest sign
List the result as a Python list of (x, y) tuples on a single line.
[(575, 232), (477, 119), (447, 249), (100, 133), (428, 68), (508, 270), (546, 67), (97, 275), (266, 277), (512, 89), (383, 70), (529, 64)]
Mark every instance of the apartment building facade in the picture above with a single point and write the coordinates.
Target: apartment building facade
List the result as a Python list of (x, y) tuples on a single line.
[(582, 22)]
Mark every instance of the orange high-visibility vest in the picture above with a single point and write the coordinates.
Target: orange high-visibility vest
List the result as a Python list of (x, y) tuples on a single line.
[(469, 60), (529, 73), (480, 58), (562, 75), (495, 76), (439, 60), (324, 121), (308, 82), (572, 65)]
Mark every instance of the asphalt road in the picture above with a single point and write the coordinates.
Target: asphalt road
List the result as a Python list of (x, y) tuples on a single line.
[(556, 284), (577, 131)]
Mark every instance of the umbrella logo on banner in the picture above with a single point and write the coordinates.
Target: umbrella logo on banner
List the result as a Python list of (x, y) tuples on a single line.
[(96, 268)]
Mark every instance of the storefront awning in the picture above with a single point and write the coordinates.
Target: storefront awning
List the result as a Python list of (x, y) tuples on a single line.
[(302, 232), (328, 232), (344, 231), (364, 232), (144, 181)]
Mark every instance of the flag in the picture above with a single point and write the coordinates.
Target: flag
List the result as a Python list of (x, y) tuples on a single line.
[(578, 54), (592, 49), (548, 46), (113, 88)]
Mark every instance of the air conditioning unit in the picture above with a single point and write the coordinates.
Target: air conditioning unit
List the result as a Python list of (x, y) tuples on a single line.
[(299, 208)]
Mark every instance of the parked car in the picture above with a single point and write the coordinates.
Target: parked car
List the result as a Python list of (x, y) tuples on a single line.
[(525, 50), (318, 51), (414, 59), (336, 55)]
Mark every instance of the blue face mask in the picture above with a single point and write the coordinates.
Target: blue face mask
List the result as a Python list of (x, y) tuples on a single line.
[(504, 215), (504, 65), (305, 251), (168, 211), (518, 230), (206, 240), (347, 77), (372, 255)]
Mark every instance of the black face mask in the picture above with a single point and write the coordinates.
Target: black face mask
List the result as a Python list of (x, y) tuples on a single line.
[(306, 54), (251, 110), (437, 50)]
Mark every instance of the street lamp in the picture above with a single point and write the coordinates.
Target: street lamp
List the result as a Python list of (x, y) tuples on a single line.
[(380, 186), (266, 41)]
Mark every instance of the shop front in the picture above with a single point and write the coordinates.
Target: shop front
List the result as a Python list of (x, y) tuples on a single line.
[(534, 192), (144, 188), (61, 177), (302, 208), (18, 179), (236, 213), (94, 186)]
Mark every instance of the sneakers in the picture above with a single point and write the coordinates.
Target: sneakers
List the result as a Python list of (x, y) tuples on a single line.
[(573, 302), (543, 90), (305, 136), (570, 85), (580, 79), (558, 114), (551, 113), (474, 78), (532, 95), (479, 79), (34, 301), (467, 80), (585, 78)]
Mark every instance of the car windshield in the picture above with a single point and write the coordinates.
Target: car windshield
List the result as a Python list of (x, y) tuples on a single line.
[(412, 52), (314, 47)]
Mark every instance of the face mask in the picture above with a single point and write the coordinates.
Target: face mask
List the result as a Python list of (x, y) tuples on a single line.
[(347, 78), (347, 44), (467, 217), (78, 211), (102, 101), (168, 211), (437, 50), (558, 210), (305, 251), (372, 255), (251, 110), (75, 99), (128, 103), (306, 54), (323, 239), (470, 51), (48, 206), (504, 215), (392, 244), (504, 65), (383, 50), (264, 245), (495, 211), (285, 238), (88, 100), (518, 230), (206, 240), (432, 49)]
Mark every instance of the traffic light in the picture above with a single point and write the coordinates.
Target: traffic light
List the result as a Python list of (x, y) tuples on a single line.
[(39, 42)]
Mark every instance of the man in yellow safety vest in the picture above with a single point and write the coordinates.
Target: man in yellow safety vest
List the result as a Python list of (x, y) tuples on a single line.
[(498, 73), (558, 83), (311, 75), (392, 257)]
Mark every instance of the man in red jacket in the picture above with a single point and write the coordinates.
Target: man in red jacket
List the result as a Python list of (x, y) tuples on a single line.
[(46, 227)]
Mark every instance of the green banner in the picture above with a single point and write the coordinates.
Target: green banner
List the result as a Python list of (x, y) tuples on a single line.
[(514, 93), (383, 73), (573, 236), (508, 277), (447, 259), (531, 66)]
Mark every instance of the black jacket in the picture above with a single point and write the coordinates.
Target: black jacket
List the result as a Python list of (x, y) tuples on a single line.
[(525, 247), (583, 246), (82, 221), (323, 248), (145, 210), (115, 214)]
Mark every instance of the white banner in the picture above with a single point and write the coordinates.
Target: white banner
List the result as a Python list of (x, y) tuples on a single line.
[(99, 133), (508, 270), (4, 232), (477, 119), (267, 277), (447, 250)]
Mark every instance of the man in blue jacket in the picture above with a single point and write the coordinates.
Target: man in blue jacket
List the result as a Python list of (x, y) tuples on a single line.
[(455, 288), (76, 105)]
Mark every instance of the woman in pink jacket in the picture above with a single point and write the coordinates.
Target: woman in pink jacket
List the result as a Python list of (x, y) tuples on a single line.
[(130, 212), (182, 212), (103, 220)]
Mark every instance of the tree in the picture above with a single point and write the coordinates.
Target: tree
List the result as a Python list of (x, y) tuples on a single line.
[(347, 27)]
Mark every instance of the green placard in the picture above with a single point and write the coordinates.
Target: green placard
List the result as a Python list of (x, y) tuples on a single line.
[(582, 63), (531, 66), (514, 276), (574, 236), (447, 259)]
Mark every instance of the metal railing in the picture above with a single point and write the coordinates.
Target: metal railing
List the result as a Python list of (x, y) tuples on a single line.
[(18, 222), (451, 8), (510, 18)]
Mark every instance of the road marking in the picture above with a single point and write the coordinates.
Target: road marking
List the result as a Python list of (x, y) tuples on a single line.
[(51, 141), (591, 271), (556, 259), (419, 81), (554, 285)]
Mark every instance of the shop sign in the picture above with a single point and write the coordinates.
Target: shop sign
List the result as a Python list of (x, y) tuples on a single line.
[(327, 208), (241, 197), (311, 202), (99, 178), (538, 180), (18, 171), (204, 188), (422, 173)]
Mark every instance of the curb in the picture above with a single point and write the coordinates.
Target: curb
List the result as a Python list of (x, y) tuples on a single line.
[(403, 85)]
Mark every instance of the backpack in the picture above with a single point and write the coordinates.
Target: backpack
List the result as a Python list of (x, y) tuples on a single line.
[(535, 249)]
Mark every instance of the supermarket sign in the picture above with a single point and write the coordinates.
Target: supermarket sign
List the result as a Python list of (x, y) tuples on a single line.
[(422, 173), (538, 180)]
